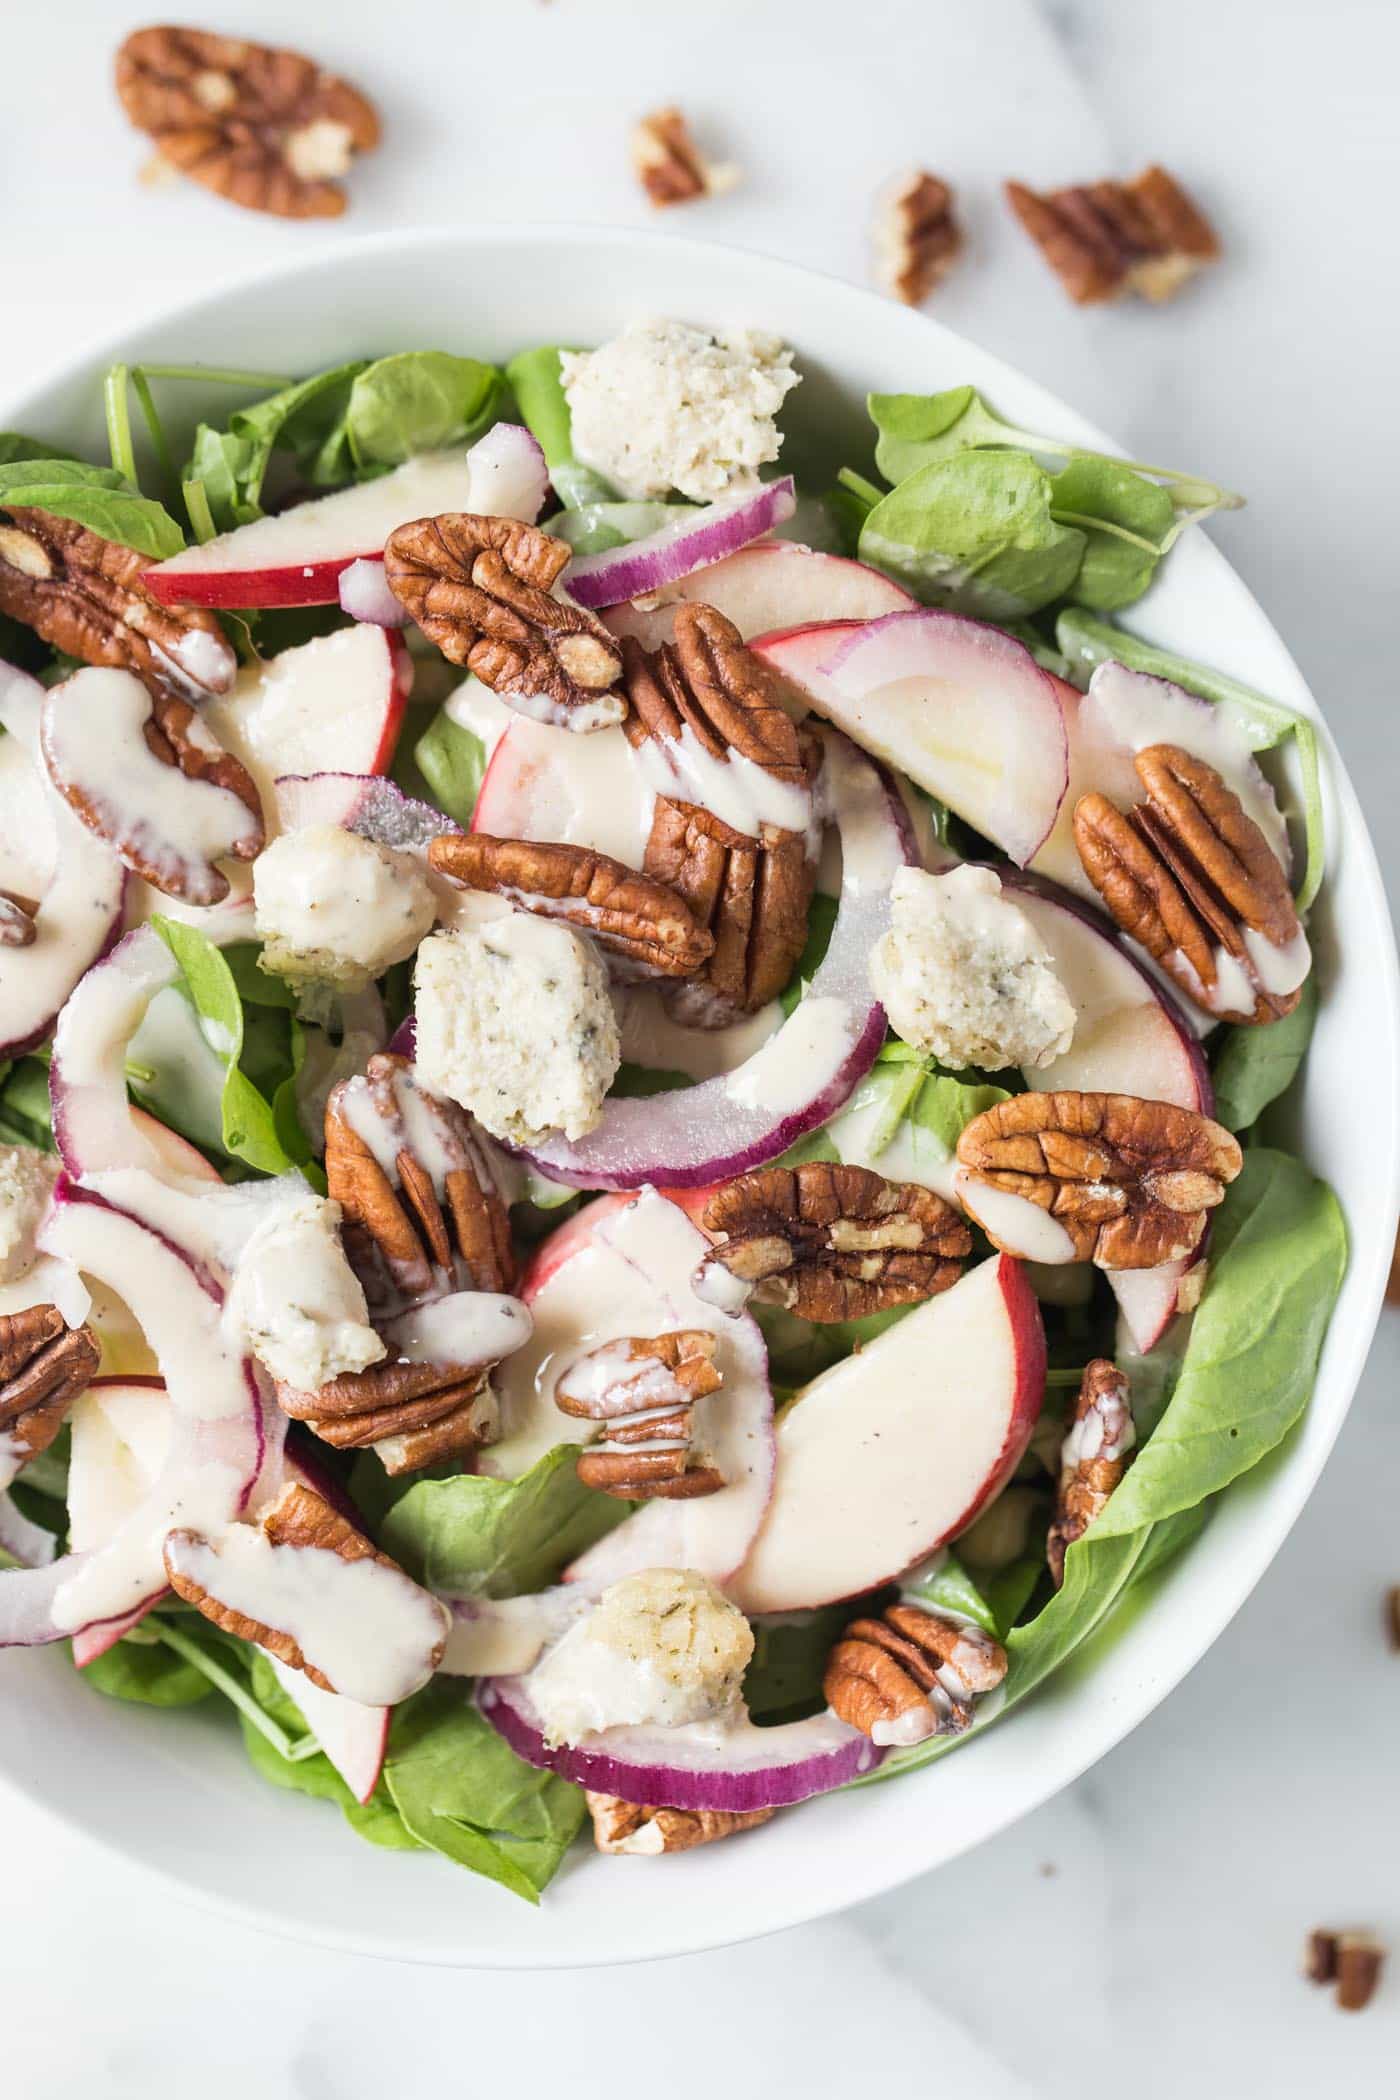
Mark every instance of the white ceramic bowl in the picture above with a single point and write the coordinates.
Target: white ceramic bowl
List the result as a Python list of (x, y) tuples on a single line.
[(174, 1794)]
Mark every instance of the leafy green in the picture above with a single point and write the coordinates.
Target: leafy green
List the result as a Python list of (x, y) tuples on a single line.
[(1127, 522), (461, 1789), (25, 1117), (821, 920), (250, 1127), (951, 1588), (452, 761), (538, 386), (1253, 1066), (640, 1081), (97, 497), (14, 445), (849, 502), (1087, 643), (911, 1099), (975, 532), (417, 401), (471, 1536), (594, 527), (148, 1674), (784, 1678)]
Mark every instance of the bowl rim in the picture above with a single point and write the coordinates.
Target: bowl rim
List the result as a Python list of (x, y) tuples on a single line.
[(1368, 1265)]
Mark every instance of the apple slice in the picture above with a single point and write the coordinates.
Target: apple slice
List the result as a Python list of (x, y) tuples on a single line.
[(582, 790), (961, 708), (625, 1266), (895, 1450), (120, 1436), (770, 585), (1150, 1299), (353, 1736), (333, 703), (296, 557), (799, 654), (46, 854)]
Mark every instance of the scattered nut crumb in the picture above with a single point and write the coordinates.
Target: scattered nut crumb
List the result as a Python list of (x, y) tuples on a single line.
[(1392, 1616), (669, 164), (917, 238), (1105, 238), (1353, 1961)]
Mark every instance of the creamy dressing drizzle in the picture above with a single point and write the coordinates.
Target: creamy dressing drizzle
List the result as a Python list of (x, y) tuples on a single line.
[(734, 788), (1021, 1226), (777, 1078), (464, 1329), (651, 1038)]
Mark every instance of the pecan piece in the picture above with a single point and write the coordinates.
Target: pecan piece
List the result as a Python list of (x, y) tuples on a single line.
[(415, 1183), (670, 166), (1129, 1182), (917, 238), (1191, 877), (627, 1827), (1105, 238), (1353, 1961), (482, 589), (1093, 1458), (44, 1365), (641, 922), (84, 595), (910, 1674), (707, 681), (300, 1518), (17, 928), (644, 1388), (263, 127), (835, 1242)]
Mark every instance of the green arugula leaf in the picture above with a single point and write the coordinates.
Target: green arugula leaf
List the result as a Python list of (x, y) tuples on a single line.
[(1127, 522), (461, 1789), (452, 761), (975, 532), (1087, 643), (1254, 1066), (538, 387), (471, 1536), (97, 497), (248, 1124), (417, 401)]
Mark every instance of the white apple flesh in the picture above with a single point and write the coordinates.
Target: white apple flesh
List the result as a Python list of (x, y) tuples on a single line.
[(120, 1435), (896, 1449), (769, 585)]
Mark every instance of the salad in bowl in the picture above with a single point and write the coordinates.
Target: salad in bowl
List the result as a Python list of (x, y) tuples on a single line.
[(640, 1174)]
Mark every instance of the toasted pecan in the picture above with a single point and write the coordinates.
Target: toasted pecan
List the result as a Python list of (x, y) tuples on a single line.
[(44, 1365), (642, 1390), (1105, 238), (1093, 1458), (911, 1674), (646, 1833)]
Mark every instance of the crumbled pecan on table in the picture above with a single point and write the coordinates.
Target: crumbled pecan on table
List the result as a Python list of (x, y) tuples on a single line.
[(84, 595), (642, 923), (644, 1389), (910, 1674), (1188, 872), (1131, 1181), (917, 238), (481, 588), (647, 1833), (834, 1242), (1105, 238), (669, 164), (752, 891), (263, 127), (1353, 1961), (1093, 1458), (299, 1517), (44, 1365)]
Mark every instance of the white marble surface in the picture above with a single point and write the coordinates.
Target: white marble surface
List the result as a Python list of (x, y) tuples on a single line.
[(1141, 1932)]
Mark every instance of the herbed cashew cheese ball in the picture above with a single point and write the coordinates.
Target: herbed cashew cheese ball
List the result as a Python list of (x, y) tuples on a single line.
[(515, 1023), (666, 406), (297, 1301), (26, 1181), (334, 908), (963, 976), (660, 1648)]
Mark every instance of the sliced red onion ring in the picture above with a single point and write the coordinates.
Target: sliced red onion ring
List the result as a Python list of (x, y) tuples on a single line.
[(364, 803), (804, 1072), (698, 1766), (365, 595), (698, 538)]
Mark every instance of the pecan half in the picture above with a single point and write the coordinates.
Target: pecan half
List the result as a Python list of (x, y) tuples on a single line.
[(302, 1518), (1105, 238), (644, 1388), (647, 1833), (707, 681), (44, 1365), (263, 127), (1093, 1458), (84, 595), (1130, 1181), (669, 164), (414, 1181), (482, 589), (1189, 874), (917, 238), (910, 1674), (644, 923), (834, 1242)]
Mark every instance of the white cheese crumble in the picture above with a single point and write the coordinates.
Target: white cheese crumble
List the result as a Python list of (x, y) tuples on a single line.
[(964, 977), (515, 1023), (26, 1181), (660, 1648), (297, 1303), (667, 406), (335, 908)]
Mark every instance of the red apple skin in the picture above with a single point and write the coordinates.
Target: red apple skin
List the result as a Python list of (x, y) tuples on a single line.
[(314, 583), (1028, 1329)]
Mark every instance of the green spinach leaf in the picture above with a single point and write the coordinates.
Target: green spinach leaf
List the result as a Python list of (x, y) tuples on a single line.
[(417, 401), (594, 527), (25, 1114), (97, 497), (1127, 521), (1254, 1066), (784, 1678), (536, 382), (148, 1674), (452, 761), (975, 532), (471, 1536)]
